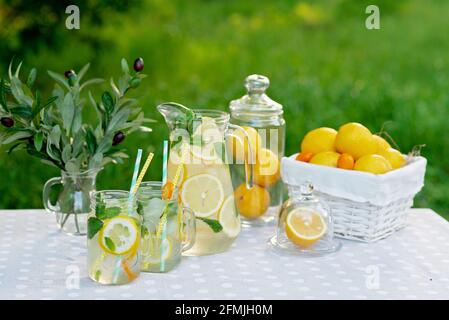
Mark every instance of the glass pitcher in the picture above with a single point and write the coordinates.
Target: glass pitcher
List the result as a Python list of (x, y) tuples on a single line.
[(73, 204), (198, 163), (262, 118)]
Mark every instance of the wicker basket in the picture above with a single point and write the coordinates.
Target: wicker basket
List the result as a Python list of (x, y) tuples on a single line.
[(365, 207)]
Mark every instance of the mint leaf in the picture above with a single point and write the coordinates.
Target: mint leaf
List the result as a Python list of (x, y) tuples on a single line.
[(93, 226), (109, 243), (97, 275), (106, 213), (212, 223)]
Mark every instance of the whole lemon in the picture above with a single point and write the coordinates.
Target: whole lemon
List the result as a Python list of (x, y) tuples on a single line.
[(355, 139), (238, 144), (373, 163), (266, 168), (393, 156), (251, 203), (381, 142), (319, 140), (327, 158)]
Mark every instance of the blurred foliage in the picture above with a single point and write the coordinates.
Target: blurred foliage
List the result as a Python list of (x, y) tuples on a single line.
[(325, 67)]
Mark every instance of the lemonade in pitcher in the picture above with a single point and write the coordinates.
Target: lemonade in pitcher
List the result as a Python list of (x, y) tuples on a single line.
[(197, 144)]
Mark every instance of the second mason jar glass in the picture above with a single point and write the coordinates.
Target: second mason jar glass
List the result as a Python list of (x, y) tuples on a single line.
[(262, 118), (167, 228), (113, 238)]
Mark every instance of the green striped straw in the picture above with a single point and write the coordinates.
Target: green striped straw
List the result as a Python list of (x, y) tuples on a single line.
[(130, 199), (164, 181)]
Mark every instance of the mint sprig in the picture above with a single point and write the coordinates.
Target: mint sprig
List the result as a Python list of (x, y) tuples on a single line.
[(212, 223)]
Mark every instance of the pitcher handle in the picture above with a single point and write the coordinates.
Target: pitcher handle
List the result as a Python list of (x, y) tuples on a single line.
[(188, 227), (249, 159), (46, 195)]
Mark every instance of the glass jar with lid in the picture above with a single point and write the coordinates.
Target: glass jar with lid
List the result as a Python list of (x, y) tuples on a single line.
[(262, 119), (305, 225)]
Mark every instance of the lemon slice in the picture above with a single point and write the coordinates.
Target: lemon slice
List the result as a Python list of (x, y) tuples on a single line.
[(203, 193), (151, 253), (205, 152), (228, 218), (119, 235), (208, 131), (304, 227)]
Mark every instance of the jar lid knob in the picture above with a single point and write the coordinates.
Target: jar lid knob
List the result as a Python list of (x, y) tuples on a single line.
[(256, 83), (306, 188)]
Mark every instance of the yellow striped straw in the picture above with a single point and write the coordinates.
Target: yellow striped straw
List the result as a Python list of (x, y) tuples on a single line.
[(175, 181), (142, 172)]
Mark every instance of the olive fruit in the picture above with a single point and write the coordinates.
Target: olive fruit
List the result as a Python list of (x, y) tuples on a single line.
[(7, 122), (118, 138), (138, 64)]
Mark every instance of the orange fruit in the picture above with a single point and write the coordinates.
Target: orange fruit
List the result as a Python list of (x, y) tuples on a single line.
[(304, 227), (304, 156), (319, 140), (345, 161), (266, 168), (239, 145), (167, 190), (355, 139), (328, 158), (251, 203), (373, 163)]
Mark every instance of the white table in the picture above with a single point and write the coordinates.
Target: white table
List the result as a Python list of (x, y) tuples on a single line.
[(39, 262)]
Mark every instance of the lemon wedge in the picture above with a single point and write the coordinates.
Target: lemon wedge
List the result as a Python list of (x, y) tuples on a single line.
[(304, 227), (203, 193), (119, 236), (228, 218)]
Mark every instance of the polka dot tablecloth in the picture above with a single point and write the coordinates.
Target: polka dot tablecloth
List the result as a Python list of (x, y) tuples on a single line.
[(39, 262)]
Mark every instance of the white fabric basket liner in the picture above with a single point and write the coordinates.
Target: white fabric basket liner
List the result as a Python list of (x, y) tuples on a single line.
[(363, 187)]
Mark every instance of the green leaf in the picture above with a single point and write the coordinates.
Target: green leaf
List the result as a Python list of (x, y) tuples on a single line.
[(118, 120), (17, 91), (212, 223), (101, 212), (66, 153), (22, 111), (55, 135), (38, 108), (83, 71), (67, 110), (38, 140), (97, 275), (125, 67), (108, 102), (91, 141), (31, 78), (59, 78), (3, 101), (93, 226), (109, 243), (91, 82), (14, 147), (16, 136)]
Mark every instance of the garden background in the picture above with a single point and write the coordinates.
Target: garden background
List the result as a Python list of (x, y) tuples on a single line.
[(325, 67)]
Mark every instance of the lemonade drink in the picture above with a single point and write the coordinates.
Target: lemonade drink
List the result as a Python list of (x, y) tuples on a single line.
[(167, 229), (113, 238), (205, 183)]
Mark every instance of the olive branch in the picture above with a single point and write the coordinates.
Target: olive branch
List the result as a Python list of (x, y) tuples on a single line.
[(53, 129)]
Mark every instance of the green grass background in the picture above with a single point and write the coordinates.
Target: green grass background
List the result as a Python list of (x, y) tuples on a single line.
[(325, 67)]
